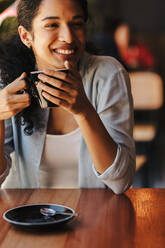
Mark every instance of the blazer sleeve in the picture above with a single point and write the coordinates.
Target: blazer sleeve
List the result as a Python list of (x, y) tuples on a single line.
[(115, 108)]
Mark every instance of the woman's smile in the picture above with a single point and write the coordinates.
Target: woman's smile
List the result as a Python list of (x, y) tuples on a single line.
[(65, 53)]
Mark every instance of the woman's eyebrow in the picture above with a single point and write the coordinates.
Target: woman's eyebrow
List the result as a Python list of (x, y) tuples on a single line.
[(50, 17), (78, 17), (57, 18)]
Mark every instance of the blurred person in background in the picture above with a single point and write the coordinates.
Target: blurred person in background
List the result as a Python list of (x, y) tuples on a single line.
[(136, 56)]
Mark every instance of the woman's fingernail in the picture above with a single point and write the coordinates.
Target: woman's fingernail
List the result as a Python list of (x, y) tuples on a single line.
[(66, 64)]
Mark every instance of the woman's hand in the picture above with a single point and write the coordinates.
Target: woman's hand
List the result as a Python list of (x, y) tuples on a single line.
[(67, 91), (11, 103)]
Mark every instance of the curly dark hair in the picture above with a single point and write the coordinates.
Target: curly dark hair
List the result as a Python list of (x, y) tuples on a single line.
[(17, 58)]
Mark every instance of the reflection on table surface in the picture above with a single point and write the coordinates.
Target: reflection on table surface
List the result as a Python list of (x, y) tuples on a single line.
[(133, 219)]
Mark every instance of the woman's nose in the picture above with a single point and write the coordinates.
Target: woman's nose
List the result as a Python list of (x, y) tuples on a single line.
[(66, 34)]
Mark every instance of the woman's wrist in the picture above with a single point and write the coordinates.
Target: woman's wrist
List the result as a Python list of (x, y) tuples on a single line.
[(86, 113)]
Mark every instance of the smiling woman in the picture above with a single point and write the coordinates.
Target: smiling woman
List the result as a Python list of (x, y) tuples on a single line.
[(86, 140)]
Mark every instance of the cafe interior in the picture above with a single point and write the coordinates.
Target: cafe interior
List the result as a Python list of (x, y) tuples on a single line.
[(134, 33)]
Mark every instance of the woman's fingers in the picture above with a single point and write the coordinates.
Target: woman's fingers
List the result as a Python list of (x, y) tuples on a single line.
[(9, 95), (56, 92), (64, 89), (60, 88), (56, 82), (71, 76), (55, 100), (16, 85), (13, 107), (11, 110), (11, 102), (14, 102), (19, 98), (62, 75)]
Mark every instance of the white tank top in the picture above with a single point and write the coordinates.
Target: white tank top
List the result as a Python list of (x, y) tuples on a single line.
[(59, 162)]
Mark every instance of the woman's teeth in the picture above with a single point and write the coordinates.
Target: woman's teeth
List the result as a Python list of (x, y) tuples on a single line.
[(62, 51)]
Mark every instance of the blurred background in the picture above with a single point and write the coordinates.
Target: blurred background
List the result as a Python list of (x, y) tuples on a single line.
[(134, 33)]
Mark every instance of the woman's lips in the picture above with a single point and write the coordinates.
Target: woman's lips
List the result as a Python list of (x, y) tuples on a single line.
[(65, 53)]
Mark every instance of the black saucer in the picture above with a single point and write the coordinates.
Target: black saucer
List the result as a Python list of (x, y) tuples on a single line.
[(30, 215)]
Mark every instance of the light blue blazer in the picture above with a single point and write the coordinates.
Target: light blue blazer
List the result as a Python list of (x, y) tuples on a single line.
[(107, 86)]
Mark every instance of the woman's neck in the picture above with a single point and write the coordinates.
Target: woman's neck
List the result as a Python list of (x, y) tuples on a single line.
[(60, 121)]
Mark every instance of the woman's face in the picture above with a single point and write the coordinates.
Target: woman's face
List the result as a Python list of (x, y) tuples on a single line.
[(58, 33)]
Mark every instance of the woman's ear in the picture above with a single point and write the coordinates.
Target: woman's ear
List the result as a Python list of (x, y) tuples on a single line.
[(25, 36)]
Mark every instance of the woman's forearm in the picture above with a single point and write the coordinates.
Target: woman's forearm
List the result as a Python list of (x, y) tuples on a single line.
[(100, 145), (2, 156)]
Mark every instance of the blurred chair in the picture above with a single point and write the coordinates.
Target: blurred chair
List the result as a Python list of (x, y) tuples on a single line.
[(147, 92), (140, 161)]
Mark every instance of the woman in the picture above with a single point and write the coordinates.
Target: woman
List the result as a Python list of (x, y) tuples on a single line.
[(87, 140)]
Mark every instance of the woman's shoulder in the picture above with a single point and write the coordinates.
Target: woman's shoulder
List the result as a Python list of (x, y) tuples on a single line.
[(104, 64)]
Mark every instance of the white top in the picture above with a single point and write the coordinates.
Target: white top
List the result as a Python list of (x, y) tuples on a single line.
[(59, 163)]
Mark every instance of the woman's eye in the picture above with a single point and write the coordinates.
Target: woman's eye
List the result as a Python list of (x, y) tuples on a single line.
[(51, 25), (78, 24)]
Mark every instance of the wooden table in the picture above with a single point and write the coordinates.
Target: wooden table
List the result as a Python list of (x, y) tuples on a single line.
[(133, 219)]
